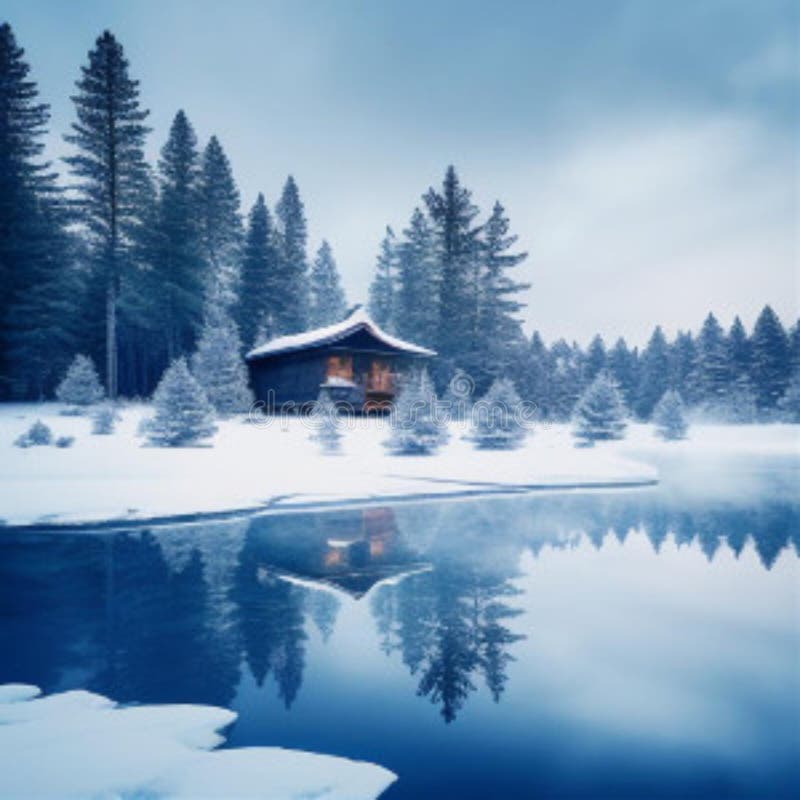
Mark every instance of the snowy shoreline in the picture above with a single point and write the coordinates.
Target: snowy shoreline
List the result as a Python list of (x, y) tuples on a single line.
[(113, 482), (166, 750)]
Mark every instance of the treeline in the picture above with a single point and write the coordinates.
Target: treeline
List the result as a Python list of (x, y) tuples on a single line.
[(732, 376), (126, 262), (445, 283)]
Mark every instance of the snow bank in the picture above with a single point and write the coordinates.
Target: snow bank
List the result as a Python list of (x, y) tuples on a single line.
[(82, 745), (275, 466)]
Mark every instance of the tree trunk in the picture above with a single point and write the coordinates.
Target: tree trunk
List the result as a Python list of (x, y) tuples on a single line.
[(111, 340)]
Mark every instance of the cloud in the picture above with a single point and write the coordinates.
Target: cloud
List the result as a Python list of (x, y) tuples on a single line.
[(658, 223)]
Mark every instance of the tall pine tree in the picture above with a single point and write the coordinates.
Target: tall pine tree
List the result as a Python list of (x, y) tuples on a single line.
[(417, 296), (458, 244), (179, 266), (621, 363), (109, 165), (499, 329), (383, 289), (595, 358), (738, 350), (39, 287), (712, 373), (220, 224), (257, 308), (292, 290), (653, 374), (328, 302), (770, 359)]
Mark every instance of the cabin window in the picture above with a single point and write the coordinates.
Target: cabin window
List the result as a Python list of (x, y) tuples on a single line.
[(340, 367), (380, 377)]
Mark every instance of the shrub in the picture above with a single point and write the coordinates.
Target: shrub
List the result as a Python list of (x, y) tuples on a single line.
[(65, 441), (37, 435)]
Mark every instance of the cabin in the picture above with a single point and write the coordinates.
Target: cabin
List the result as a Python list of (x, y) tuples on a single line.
[(354, 360)]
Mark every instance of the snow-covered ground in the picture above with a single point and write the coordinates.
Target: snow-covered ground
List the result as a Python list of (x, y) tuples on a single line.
[(163, 751), (275, 465)]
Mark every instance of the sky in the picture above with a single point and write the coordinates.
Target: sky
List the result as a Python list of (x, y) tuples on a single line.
[(646, 152)]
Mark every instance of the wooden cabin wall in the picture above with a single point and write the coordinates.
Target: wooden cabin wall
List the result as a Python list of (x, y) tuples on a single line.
[(292, 378)]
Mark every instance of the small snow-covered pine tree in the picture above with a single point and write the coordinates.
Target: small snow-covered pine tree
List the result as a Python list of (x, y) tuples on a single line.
[(80, 386), (495, 424), (218, 367), (325, 420), (183, 414), (668, 417), (416, 429), (600, 412)]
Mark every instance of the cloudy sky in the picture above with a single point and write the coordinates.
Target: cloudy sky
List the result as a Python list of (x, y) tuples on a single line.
[(646, 151)]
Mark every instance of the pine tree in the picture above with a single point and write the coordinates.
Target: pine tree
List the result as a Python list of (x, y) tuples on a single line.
[(416, 427), (39, 283), (534, 375), (495, 421), (292, 295), (257, 309), (711, 376), (770, 359), (621, 364), (383, 289), (458, 246), (738, 350), (179, 267), (669, 417), (218, 367), (417, 295), (564, 380), (682, 363), (595, 358), (328, 303), (220, 224), (42, 320), (499, 329), (653, 374), (143, 351), (325, 421), (80, 387), (600, 413), (183, 415), (109, 136)]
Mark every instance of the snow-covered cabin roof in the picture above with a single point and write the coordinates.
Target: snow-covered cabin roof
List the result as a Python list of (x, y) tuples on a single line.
[(357, 320)]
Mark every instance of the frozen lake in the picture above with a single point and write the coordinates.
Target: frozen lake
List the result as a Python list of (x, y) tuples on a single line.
[(589, 645)]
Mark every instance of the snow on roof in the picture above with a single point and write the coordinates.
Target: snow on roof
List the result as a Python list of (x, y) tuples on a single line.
[(357, 320)]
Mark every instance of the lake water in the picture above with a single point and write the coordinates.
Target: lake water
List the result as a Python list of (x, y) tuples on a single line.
[(639, 644)]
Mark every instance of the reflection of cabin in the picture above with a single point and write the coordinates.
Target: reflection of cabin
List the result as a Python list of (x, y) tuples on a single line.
[(350, 550), (356, 361)]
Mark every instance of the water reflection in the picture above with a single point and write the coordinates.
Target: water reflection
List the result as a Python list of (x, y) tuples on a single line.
[(185, 614)]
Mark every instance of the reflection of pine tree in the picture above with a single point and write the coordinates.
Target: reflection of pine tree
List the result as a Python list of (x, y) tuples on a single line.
[(270, 615), (449, 625), (324, 608)]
